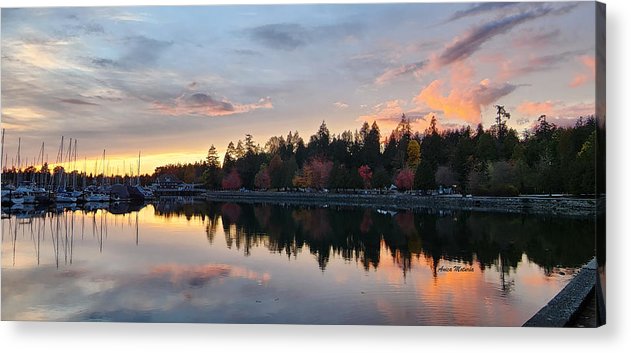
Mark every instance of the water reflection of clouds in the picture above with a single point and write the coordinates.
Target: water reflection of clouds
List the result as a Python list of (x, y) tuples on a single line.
[(168, 292)]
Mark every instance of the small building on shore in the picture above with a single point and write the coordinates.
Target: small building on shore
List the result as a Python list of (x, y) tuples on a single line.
[(168, 182), (170, 185)]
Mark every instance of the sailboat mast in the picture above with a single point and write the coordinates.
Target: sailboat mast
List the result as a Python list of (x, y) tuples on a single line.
[(68, 161), (138, 183), (16, 176), (2, 152), (74, 167), (59, 160), (85, 170), (19, 146), (103, 177), (41, 181)]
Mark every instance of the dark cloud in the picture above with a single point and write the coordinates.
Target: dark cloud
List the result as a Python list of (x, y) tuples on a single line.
[(471, 41), (530, 39), (103, 62), (403, 70), (283, 36), (290, 36), (487, 95), (481, 8), (91, 28), (109, 99), (538, 63), (466, 45), (143, 51), (77, 29), (246, 52), (76, 101), (203, 104), (140, 51), (199, 100)]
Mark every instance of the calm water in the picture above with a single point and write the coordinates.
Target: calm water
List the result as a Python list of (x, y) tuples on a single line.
[(239, 263)]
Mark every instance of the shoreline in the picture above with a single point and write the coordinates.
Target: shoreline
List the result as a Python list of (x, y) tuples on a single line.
[(557, 206)]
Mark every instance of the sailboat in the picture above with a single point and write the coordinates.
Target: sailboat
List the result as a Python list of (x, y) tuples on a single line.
[(64, 197)]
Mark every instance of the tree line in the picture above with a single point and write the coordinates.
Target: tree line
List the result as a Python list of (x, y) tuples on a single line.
[(497, 161)]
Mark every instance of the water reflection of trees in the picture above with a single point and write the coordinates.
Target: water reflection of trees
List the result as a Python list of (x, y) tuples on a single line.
[(355, 234)]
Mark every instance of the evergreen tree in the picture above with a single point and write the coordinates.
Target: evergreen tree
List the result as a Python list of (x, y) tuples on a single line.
[(230, 157), (212, 159), (424, 176), (372, 146)]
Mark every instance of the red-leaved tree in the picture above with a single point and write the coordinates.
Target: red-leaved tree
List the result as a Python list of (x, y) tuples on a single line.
[(320, 170), (404, 179), (366, 174), (314, 174), (232, 181), (262, 179)]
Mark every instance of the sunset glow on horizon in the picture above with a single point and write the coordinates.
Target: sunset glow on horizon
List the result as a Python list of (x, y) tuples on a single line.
[(172, 81)]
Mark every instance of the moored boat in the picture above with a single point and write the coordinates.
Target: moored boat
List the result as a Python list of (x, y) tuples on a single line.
[(65, 198)]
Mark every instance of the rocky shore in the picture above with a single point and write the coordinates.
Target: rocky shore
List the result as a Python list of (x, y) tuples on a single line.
[(561, 206)]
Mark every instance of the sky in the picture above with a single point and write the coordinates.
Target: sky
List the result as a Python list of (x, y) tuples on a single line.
[(170, 81)]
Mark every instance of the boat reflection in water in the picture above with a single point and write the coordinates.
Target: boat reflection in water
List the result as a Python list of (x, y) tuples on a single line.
[(180, 261)]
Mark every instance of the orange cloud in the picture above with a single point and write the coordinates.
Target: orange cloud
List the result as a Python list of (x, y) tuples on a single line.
[(579, 80), (464, 97), (463, 101), (203, 104), (589, 63)]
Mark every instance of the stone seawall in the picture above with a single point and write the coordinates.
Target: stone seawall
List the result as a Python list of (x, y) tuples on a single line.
[(576, 207), (565, 305)]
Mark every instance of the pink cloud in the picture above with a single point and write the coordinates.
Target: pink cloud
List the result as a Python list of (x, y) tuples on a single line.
[(203, 104), (536, 108), (562, 114)]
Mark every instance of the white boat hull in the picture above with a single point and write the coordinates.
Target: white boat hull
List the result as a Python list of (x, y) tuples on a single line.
[(65, 199)]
